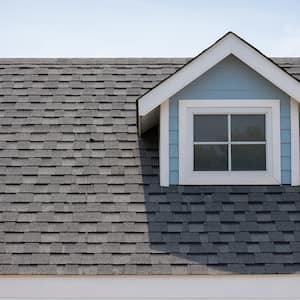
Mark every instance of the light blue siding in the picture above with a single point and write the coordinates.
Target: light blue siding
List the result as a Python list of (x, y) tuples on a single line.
[(232, 79)]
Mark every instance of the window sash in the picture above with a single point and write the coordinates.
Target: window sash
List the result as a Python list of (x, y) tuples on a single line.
[(229, 142)]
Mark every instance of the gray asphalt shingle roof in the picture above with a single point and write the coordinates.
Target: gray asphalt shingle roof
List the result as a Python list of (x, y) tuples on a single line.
[(80, 191)]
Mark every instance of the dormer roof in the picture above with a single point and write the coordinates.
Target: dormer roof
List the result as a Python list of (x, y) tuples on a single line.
[(229, 44)]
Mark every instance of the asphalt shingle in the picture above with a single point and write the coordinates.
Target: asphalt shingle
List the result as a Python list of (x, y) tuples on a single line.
[(80, 190)]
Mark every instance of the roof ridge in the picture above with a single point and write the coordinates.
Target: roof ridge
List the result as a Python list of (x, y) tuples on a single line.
[(94, 60), (113, 60)]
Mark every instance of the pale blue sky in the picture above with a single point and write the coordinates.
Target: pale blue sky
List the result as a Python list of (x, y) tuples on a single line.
[(126, 28)]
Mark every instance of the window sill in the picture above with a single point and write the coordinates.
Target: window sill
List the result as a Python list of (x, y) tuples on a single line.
[(229, 178)]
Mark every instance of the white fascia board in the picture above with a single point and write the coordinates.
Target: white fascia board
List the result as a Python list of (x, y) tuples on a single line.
[(184, 76), (266, 68), (164, 144), (295, 144), (230, 44), (238, 287)]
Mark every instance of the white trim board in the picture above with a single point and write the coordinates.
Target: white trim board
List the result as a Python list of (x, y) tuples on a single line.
[(229, 44), (164, 144), (258, 287)]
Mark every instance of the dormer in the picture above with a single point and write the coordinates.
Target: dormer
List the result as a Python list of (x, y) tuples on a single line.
[(230, 116)]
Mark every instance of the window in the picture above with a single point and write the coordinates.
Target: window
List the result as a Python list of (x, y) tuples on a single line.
[(229, 142)]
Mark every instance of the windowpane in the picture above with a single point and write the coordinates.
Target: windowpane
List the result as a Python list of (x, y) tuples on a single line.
[(248, 128), (210, 157), (248, 157), (210, 128)]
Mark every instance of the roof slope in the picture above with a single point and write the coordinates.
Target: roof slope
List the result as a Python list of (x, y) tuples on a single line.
[(80, 191)]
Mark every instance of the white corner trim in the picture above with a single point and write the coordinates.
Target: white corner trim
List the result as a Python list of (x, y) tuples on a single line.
[(229, 44), (295, 157), (164, 144), (271, 108), (253, 287)]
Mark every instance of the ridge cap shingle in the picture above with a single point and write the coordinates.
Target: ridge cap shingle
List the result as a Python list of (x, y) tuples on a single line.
[(96, 60)]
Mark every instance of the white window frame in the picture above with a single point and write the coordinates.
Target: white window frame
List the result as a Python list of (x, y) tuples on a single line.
[(271, 109)]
